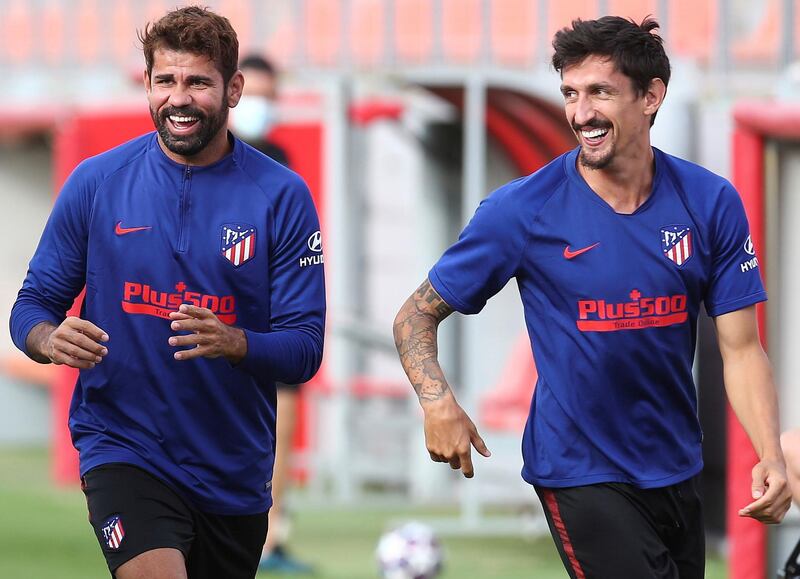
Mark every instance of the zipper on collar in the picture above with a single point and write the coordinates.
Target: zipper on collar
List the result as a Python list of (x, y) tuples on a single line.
[(184, 209)]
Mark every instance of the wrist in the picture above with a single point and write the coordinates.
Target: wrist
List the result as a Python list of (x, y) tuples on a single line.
[(773, 456), (237, 346), (444, 403), (37, 342)]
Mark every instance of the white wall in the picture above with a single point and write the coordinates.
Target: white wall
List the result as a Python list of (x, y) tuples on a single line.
[(25, 198)]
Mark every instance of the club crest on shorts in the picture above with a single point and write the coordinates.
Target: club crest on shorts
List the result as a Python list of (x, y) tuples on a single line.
[(676, 242), (113, 532), (238, 242)]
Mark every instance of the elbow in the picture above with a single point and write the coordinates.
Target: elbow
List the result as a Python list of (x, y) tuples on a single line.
[(313, 361), (399, 325)]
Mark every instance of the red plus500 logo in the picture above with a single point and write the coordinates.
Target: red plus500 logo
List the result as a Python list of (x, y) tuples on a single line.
[(639, 313), (142, 299)]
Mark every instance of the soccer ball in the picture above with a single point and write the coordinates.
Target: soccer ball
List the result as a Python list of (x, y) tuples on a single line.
[(409, 552)]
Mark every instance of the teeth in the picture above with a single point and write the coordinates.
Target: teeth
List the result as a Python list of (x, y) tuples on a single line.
[(594, 134), (177, 119)]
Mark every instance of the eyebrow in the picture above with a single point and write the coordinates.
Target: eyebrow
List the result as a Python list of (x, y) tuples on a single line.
[(190, 78), (592, 87), (199, 77)]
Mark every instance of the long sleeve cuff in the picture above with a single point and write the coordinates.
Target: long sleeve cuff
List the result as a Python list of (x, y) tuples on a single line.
[(289, 356), (23, 319)]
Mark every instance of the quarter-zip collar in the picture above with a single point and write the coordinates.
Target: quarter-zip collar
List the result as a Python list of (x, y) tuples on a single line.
[(187, 174), (234, 157)]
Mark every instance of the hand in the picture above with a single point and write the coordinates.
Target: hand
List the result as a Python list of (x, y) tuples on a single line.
[(75, 343), (211, 338), (450, 435), (771, 491)]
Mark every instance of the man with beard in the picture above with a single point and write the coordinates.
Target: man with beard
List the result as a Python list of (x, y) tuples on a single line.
[(201, 262), (614, 247)]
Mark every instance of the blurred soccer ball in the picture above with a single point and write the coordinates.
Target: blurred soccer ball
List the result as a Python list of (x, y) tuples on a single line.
[(409, 552)]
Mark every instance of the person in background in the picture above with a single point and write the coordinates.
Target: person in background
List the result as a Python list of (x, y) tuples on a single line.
[(251, 121), (790, 442), (256, 113), (200, 295)]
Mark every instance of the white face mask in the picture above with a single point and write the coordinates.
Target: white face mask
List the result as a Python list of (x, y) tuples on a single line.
[(253, 117)]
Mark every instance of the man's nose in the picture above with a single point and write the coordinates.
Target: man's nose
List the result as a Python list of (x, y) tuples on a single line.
[(179, 96), (584, 111)]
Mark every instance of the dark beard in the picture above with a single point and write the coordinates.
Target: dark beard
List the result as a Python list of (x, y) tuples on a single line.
[(600, 163), (190, 145), (605, 160)]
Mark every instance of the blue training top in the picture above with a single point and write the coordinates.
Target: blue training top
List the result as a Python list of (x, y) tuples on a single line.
[(611, 304), (146, 234)]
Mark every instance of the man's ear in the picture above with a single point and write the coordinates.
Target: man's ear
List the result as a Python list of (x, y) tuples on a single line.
[(235, 88), (654, 96), (146, 81)]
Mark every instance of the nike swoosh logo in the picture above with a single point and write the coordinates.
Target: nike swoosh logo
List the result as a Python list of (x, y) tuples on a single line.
[(119, 230), (569, 254)]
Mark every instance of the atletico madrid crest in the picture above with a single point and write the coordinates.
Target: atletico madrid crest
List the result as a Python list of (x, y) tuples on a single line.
[(676, 242), (238, 242), (113, 533)]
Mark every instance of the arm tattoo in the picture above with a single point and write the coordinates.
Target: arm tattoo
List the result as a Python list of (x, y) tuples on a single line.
[(415, 338)]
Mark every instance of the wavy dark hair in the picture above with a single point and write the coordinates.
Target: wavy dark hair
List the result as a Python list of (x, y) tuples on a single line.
[(196, 30), (636, 51)]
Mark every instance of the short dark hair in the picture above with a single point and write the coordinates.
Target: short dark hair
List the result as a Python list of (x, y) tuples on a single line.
[(260, 63), (636, 51), (196, 30)]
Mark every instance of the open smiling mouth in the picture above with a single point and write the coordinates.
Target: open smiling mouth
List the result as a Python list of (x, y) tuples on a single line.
[(594, 137), (183, 123)]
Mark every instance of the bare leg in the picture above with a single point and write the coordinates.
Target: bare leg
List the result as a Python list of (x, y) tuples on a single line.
[(287, 420), (155, 564)]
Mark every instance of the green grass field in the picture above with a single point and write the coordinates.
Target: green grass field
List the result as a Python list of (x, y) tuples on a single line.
[(44, 534)]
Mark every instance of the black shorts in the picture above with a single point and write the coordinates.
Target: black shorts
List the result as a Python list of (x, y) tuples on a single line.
[(615, 530), (132, 511), (287, 387)]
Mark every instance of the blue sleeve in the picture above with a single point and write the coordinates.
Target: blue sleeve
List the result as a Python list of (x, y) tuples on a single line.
[(735, 280), (291, 352), (57, 272), (483, 259)]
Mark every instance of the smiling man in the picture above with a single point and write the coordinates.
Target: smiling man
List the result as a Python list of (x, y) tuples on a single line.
[(614, 246), (202, 291)]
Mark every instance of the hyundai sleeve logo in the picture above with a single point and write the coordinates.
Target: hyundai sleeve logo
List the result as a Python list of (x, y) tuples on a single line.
[(748, 246), (315, 242)]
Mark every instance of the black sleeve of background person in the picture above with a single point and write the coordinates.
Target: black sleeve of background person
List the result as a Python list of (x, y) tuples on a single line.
[(711, 402), (274, 152)]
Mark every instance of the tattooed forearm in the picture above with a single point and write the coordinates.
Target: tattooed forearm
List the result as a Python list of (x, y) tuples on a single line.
[(426, 293), (415, 338)]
